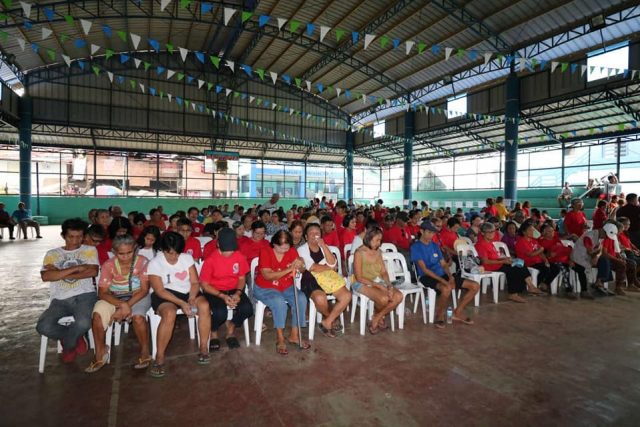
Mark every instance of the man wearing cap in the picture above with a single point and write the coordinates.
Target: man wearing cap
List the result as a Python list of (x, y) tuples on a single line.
[(433, 272), (223, 280), (575, 222)]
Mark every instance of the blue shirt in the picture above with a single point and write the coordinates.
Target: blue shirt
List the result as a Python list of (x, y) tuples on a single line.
[(21, 214), (431, 256)]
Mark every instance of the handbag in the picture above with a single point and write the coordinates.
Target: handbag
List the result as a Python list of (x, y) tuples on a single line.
[(329, 280)]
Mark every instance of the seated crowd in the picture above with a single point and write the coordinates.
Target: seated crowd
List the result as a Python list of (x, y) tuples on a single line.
[(197, 263)]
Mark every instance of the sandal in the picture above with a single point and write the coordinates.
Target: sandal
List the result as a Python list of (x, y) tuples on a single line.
[(157, 370), (281, 349), (232, 342), (439, 324), (203, 358), (305, 344), (466, 321), (338, 328), (214, 344), (326, 332), (143, 363), (96, 365)]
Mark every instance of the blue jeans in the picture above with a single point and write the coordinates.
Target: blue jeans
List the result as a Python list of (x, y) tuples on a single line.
[(277, 301), (80, 307)]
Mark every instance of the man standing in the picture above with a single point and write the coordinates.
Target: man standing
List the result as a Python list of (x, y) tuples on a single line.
[(632, 211), (70, 270), (23, 218)]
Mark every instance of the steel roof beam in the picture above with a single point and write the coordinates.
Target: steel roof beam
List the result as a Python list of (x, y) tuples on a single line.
[(550, 133), (622, 105)]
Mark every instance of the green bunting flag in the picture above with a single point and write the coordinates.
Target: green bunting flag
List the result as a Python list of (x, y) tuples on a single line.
[(216, 61), (109, 53), (52, 54), (460, 53), (421, 48), (185, 4), (260, 72), (246, 16), (3, 36), (69, 19), (384, 40), (96, 70), (122, 35), (146, 66), (298, 82), (132, 83), (170, 48), (293, 25), (339, 34), (180, 76), (64, 37), (564, 66), (209, 86)]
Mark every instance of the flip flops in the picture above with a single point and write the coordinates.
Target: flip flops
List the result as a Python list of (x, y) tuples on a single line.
[(326, 332), (232, 342), (466, 321), (143, 363), (214, 344), (203, 358), (157, 370), (96, 365)]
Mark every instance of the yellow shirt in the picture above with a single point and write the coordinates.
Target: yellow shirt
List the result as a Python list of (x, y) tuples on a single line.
[(207, 220), (426, 212), (503, 212)]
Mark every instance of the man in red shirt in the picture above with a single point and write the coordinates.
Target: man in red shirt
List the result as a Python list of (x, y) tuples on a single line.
[(490, 210), (191, 244), (196, 227), (338, 216), (448, 236), (415, 217), (223, 280), (399, 234), (575, 222), (329, 234), (599, 215)]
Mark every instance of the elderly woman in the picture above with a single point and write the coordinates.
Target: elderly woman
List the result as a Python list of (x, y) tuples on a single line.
[(372, 279), (510, 236), (223, 279), (278, 265), (174, 279), (320, 279), (518, 277), (297, 233), (529, 249), (276, 223), (251, 248), (123, 289), (558, 254)]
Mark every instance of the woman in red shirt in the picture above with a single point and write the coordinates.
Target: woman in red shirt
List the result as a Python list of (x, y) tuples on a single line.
[(348, 231), (558, 254), (278, 265), (526, 208), (518, 278), (528, 248)]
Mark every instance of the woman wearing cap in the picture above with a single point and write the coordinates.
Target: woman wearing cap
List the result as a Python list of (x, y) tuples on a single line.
[(518, 277), (529, 249), (319, 261), (278, 265), (372, 279), (223, 280)]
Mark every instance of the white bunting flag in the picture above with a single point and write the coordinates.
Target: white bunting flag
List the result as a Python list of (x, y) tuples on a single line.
[(231, 65), (137, 62), (323, 32), (193, 106), (291, 111), (523, 63), (169, 96), (183, 53), (94, 49), (67, 60), (46, 32), (228, 14), (213, 113), (274, 76), (554, 65), (584, 70), (251, 99), (273, 106), (633, 74), (170, 73), (487, 57), (21, 42), (200, 83), (281, 22), (368, 38), (164, 4), (447, 53), (227, 91), (142, 87), (110, 74), (364, 98), (308, 85), (409, 44), (136, 40), (86, 26), (26, 8), (338, 91)]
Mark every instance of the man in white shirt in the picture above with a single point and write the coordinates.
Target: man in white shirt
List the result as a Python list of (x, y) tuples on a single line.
[(70, 270), (272, 203), (566, 195)]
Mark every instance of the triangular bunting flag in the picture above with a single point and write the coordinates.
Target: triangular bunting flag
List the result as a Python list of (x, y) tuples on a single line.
[(109, 53), (135, 39), (67, 60), (96, 70), (583, 70), (200, 83), (206, 7), (94, 49), (183, 53), (281, 22), (563, 67), (274, 76), (147, 65), (26, 8), (154, 44), (160, 69), (170, 48), (273, 106), (339, 34), (137, 62), (384, 40), (164, 4), (228, 14), (200, 57), (21, 43), (142, 87), (227, 91), (110, 74), (308, 85), (293, 25), (124, 58), (523, 63), (122, 35), (86, 26), (209, 86), (260, 73), (338, 91), (368, 38), (251, 99), (554, 65), (263, 20), (408, 45), (169, 96), (215, 61), (447, 53), (310, 29), (231, 65), (46, 32), (246, 15), (421, 48), (323, 32)]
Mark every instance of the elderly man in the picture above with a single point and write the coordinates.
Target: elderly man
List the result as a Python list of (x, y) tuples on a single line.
[(7, 221), (23, 218), (116, 211), (272, 203), (632, 211)]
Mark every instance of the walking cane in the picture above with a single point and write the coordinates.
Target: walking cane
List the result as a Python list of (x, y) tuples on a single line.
[(295, 298)]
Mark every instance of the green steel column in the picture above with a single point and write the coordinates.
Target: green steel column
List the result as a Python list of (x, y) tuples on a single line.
[(511, 136), (350, 147), (25, 111), (409, 134)]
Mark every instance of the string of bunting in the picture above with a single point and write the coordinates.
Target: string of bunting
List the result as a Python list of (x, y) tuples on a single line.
[(317, 88)]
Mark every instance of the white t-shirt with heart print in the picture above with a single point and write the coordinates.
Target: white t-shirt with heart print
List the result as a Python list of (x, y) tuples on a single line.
[(174, 277)]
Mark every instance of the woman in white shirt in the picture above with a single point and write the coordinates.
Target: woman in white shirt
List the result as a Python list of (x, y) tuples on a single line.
[(174, 280)]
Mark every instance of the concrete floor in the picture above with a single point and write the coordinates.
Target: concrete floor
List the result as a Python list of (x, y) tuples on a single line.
[(549, 362)]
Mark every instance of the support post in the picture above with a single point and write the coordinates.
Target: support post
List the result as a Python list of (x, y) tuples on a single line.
[(511, 136), (349, 160), (25, 110), (409, 134)]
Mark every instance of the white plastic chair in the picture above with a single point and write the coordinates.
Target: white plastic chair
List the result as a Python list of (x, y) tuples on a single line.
[(533, 271), (388, 247), (204, 240), (19, 232), (313, 311), (44, 341), (347, 250), (392, 260), (494, 277), (154, 322)]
